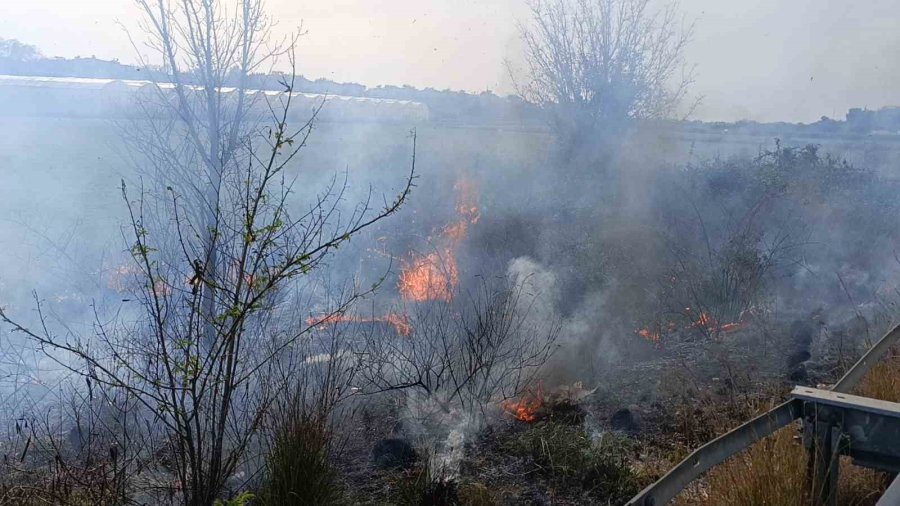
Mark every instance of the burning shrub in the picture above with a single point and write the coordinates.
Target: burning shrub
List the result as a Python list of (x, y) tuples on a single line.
[(570, 455)]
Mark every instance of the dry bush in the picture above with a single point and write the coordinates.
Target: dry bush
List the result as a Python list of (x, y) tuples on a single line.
[(593, 63), (73, 455), (467, 354)]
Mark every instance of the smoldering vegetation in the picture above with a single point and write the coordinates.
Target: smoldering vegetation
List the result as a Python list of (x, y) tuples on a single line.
[(404, 310)]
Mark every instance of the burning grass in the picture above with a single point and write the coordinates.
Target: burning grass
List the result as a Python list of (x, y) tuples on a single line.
[(698, 321), (435, 276), (527, 408)]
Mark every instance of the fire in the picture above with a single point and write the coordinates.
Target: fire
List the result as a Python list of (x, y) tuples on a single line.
[(704, 321), (429, 277), (455, 232), (400, 322), (435, 276), (699, 321), (649, 335), (527, 408), (730, 327), (467, 195)]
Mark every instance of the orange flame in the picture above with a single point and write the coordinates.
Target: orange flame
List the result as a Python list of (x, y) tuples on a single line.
[(649, 335), (429, 277), (525, 409), (702, 321), (400, 322), (435, 276)]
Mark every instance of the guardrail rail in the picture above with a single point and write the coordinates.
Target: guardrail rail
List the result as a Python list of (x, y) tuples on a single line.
[(835, 423)]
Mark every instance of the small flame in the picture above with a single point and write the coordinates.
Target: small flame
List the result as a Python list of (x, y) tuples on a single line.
[(701, 321), (704, 321), (400, 322), (527, 408), (649, 335)]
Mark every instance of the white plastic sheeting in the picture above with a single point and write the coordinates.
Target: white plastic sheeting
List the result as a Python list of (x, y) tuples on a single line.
[(79, 96)]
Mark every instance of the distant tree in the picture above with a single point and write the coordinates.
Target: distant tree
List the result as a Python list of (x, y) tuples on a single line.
[(12, 49), (598, 63)]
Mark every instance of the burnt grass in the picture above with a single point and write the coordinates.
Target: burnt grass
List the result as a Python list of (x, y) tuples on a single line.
[(601, 450), (549, 461), (504, 464)]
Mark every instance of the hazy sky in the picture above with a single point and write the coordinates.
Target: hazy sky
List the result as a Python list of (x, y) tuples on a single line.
[(767, 60)]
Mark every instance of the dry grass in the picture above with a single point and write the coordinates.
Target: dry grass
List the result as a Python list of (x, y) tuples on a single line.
[(883, 381), (772, 472), (477, 494)]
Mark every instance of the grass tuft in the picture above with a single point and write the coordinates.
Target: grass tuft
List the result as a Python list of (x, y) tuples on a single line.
[(571, 456), (299, 469)]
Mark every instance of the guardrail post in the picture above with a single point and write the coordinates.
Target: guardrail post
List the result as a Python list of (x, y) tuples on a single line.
[(822, 436)]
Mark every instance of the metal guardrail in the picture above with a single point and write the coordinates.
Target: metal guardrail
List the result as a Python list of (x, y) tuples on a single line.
[(867, 361), (715, 452), (721, 448), (891, 496)]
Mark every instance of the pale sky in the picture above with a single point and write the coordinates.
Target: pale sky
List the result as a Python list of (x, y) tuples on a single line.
[(766, 60)]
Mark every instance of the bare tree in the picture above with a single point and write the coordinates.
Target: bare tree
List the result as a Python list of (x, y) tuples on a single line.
[(598, 63), (219, 247), (202, 46), (467, 353)]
